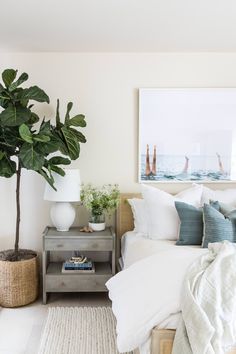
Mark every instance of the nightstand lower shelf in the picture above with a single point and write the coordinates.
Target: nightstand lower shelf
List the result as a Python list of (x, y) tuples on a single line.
[(56, 281)]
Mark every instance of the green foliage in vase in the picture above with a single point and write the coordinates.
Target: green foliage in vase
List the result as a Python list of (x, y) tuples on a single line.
[(25, 144), (99, 200)]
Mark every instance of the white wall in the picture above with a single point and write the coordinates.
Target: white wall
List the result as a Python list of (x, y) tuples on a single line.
[(105, 88)]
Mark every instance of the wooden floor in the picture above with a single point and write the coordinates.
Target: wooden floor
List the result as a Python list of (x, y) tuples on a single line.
[(21, 328)]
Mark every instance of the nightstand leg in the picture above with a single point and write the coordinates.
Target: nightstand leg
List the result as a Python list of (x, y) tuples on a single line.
[(113, 264), (44, 263), (44, 298)]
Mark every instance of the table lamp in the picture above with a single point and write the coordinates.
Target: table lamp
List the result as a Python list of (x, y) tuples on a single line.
[(68, 190)]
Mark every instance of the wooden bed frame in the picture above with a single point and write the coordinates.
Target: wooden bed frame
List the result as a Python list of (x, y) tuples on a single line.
[(161, 339)]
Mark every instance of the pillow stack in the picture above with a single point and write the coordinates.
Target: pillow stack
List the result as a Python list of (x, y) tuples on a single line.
[(190, 217)]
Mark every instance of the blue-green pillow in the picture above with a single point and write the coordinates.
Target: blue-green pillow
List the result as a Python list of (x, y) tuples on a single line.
[(191, 223), (217, 227)]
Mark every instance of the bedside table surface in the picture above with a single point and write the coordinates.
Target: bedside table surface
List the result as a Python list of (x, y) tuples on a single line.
[(74, 232)]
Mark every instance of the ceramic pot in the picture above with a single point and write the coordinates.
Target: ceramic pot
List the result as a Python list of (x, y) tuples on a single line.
[(97, 222)]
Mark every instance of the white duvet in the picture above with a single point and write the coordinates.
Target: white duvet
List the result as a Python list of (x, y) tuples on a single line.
[(145, 294)]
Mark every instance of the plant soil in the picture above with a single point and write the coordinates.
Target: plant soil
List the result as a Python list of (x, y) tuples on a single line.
[(23, 254)]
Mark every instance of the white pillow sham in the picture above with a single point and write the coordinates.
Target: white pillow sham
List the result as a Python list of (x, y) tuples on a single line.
[(163, 220), (139, 211), (227, 196)]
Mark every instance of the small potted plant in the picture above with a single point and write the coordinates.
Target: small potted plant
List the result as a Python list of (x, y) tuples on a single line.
[(98, 201)]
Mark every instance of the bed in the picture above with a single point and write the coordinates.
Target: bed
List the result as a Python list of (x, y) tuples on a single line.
[(161, 339)]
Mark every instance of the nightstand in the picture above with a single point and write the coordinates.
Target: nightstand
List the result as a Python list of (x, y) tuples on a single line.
[(74, 240)]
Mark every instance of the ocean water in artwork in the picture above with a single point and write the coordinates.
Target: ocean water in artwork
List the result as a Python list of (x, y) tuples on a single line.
[(191, 168)]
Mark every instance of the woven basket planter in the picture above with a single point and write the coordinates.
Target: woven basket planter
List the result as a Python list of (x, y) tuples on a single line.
[(18, 282)]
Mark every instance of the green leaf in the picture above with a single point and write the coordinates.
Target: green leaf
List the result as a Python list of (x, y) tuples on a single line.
[(81, 138), (2, 154), (16, 97), (14, 115), (67, 117), (3, 102), (4, 96), (34, 118), (71, 143), (22, 78), (25, 133), (59, 160), (77, 121), (11, 136), (58, 170), (9, 76), (45, 128), (7, 167), (34, 93), (61, 141), (47, 148), (24, 103), (42, 138), (49, 179), (30, 158)]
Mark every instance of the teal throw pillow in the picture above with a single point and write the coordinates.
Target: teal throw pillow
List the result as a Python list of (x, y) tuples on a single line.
[(217, 227), (191, 224)]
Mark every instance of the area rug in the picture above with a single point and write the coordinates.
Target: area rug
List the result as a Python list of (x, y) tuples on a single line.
[(79, 330)]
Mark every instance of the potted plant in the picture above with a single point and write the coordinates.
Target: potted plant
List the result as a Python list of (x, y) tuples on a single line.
[(22, 145), (98, 201)]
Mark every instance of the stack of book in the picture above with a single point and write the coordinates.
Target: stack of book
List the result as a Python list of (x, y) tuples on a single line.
[(75, 267)]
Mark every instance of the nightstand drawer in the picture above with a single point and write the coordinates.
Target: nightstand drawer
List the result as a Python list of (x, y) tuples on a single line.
[(71, 283), (75, 244)]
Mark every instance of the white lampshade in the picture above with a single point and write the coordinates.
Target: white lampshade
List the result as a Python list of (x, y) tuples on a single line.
[(68, 187)]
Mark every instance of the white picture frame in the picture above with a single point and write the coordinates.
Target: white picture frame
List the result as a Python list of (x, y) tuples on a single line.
[(194, 131)]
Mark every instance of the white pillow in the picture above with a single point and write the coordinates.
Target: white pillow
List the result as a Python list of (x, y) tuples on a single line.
[(227, 196), (139, 211), (163, 220)]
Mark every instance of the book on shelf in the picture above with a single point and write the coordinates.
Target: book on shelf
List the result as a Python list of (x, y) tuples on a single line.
[(78, 268), (86, 265)]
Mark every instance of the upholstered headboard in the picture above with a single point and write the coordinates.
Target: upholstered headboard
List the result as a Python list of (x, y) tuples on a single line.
[(124, 216)]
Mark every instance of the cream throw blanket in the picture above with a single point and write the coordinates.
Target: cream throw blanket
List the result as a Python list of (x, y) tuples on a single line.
[(208, 324)]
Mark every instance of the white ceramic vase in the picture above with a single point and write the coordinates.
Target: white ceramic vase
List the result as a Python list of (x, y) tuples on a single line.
[(97, 222)]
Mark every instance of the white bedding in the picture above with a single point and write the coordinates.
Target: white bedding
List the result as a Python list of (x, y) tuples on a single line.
[(136, 246), (151, 282)]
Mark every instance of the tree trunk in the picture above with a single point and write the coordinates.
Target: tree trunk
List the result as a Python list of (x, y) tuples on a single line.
[(18, 176)]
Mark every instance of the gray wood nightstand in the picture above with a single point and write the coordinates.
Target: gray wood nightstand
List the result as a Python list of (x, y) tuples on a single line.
[(74, 240)]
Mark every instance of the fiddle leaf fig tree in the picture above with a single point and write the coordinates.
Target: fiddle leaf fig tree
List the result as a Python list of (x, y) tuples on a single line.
[(22, 145)]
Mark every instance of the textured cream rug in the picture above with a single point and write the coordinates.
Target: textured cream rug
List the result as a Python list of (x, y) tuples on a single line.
[(79, 330)]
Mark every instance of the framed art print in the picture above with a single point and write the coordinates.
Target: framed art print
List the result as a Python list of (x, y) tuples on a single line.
[(187, 135)]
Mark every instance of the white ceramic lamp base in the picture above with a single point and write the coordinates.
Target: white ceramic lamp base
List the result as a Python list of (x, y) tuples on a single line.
[(62, 215)]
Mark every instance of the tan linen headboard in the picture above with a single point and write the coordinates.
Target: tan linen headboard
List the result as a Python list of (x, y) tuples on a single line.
[(124, 219), (124, 216)]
